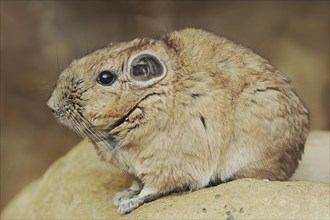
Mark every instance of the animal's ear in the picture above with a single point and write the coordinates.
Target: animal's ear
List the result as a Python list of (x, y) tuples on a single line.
[(146, 68)]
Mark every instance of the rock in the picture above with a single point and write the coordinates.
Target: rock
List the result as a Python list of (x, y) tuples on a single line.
[(79, 185), (315, 162)]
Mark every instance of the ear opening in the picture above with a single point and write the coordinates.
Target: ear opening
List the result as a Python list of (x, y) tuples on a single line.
[(146, 68)]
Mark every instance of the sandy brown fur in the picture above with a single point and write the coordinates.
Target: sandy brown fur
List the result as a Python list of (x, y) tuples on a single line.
[(221, 112)]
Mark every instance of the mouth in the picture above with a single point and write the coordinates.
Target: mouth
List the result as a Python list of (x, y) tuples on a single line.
[(60, 117)]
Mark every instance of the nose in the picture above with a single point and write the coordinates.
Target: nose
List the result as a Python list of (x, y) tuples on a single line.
[(53, 106)]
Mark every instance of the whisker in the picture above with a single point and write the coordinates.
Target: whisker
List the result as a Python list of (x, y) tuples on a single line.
[(83, 127), (94, 135), (76, 128), (84, 124), (102, 143)]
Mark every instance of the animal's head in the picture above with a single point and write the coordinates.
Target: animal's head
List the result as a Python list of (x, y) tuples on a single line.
[(110, 90)]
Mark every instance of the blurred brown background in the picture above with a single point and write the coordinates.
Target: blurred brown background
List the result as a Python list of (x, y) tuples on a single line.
[(39, 38)]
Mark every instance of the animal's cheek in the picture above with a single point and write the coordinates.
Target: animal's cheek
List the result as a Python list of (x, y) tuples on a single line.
[(99, 118), (102, 123)]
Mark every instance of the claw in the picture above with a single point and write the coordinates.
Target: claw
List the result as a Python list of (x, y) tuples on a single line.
[(129, 205), (123, 196)]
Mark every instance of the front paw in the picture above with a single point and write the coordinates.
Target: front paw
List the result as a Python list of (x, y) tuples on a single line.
[(123, 196), (129, 205)]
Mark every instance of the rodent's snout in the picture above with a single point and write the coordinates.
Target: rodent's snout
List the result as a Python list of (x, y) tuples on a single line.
[(51, 103), (55, 109), (52, 106)]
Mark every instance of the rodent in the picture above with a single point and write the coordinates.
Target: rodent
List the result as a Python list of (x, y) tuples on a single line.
[(182, 112)]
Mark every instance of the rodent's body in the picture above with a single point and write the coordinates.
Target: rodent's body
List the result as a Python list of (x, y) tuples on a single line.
[(216, 112)]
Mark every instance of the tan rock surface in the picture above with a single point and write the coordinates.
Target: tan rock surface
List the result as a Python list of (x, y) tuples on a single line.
[(315, 164), (79, 186)]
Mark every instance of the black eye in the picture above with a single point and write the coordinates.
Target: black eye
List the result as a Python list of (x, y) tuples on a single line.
[(106, 78)]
